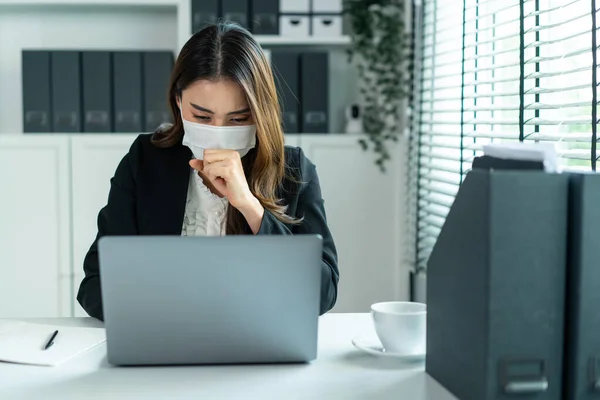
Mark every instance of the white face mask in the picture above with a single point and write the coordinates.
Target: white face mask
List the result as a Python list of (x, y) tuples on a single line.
[(200, 136)]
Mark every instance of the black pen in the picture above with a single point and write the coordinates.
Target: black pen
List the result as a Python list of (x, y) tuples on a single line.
[(51, 341)]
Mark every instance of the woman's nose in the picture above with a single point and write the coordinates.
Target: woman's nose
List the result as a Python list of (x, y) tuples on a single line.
[(219, 122)]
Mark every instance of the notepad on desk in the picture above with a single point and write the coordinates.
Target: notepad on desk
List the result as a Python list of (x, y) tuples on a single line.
[(24, 343)]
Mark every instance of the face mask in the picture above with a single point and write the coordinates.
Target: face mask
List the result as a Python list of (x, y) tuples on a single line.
[(199, 137)]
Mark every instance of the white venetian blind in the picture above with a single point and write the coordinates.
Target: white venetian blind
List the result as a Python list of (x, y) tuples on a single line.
[(558, 77), (496, 71)]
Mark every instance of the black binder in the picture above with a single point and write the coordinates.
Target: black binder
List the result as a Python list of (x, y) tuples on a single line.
[(127, 91), (157, 71), (37, 111), (204, 12), (495, 288), (582, 358), (97, 95), (66, 91), (286, 73), (315, 92), (265, 17), (236, 11)]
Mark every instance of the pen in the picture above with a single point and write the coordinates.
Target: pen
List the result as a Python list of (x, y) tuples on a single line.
[(51, 341)]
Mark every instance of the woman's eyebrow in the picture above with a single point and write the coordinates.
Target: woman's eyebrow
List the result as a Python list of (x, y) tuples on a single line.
[(206, 110), (197, 107), (242, 111)]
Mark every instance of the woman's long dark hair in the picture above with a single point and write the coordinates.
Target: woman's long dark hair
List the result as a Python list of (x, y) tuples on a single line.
[(228, 51)]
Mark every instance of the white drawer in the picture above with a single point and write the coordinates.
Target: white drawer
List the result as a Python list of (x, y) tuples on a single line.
[(325, 25), (293, 25)]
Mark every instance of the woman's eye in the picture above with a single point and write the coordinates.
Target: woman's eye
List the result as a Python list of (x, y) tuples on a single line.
[(239, 120), (202, 118)]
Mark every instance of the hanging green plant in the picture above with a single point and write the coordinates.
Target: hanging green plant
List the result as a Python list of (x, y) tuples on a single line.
[(380, 49)]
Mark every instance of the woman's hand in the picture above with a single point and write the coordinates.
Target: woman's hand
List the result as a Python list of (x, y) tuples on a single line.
[(223, 168)]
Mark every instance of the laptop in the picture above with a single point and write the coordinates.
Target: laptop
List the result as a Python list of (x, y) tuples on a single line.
[(171, 300)]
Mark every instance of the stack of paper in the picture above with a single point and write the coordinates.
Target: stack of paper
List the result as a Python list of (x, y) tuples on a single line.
[(24, 343), (544, 152)]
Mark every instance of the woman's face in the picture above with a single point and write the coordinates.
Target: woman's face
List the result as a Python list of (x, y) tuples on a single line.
[(216, 103)]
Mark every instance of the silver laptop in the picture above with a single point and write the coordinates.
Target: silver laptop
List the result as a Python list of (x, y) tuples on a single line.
[(210, 300)]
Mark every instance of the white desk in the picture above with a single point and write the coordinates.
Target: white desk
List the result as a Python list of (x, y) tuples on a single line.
[(340, 372)]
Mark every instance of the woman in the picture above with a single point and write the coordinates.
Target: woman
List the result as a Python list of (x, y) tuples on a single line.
[(221, 168)]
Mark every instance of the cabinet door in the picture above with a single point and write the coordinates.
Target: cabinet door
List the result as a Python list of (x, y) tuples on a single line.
[(94, 161), (35, 261), (363, 208), (292, 140)]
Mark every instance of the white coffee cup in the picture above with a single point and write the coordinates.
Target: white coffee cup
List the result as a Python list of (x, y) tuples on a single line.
[(401, 326)]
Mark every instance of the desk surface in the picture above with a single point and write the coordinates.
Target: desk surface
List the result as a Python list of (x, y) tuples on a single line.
[(340, 372)]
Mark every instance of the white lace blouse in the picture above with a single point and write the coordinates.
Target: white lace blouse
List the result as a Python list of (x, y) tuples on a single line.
[(205, 212)]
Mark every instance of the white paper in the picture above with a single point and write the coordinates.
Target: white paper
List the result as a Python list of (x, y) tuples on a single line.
[(9, 324), (23, 343), (545, 152)]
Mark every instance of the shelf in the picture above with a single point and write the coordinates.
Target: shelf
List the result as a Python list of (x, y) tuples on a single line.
[(275, 40), (127, 3), (121, 134)]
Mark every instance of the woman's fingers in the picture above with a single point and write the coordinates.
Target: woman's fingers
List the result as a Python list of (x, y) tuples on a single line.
[(216, 155), (220, 169), (198, 165)]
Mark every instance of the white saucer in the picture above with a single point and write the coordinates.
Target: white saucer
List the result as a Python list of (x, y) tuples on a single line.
[(374, 347)]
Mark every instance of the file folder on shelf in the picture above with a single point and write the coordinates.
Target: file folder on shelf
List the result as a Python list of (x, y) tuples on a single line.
[(236, 11), (286, 71), (127, 91), (204, 12), (96, 91), (265, 17), (37, 103), (315, 92), (66, 91), (495, 288), (157, 71)]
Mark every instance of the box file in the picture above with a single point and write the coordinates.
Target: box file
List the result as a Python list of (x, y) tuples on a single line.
[(204, 12), (37, 110), (582, 358), (286, 72), (66, 91), (265, 17), (96, 93), (127, 91), (495, 288), (315, 92), (236, 11), (157, 71)]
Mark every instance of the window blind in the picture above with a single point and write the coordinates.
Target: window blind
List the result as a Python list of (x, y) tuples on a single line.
[(498, 71)]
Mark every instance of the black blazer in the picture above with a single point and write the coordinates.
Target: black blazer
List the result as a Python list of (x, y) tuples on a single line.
[(148, 196)]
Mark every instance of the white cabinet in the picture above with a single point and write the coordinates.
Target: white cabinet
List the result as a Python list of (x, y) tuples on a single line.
[(364, 208), (35, 260), (52, 187), (94, 161), (292, 140)]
